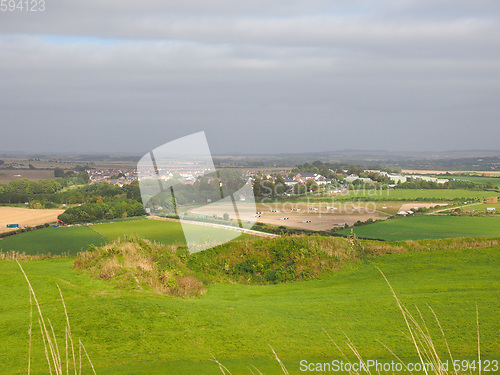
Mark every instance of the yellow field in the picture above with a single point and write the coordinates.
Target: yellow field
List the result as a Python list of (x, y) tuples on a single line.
[(26, 216)]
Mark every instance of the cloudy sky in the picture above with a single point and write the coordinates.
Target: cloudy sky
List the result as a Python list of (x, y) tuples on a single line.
[(257, 76)]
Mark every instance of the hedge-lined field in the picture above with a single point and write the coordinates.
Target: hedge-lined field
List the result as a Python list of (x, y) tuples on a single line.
[(428, 227)]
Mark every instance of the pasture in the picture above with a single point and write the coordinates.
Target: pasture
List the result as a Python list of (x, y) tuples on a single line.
[(141, 332), (417, 195), (429, 227)]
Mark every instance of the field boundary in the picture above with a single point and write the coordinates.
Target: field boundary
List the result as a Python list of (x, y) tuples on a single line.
[(220, 226)]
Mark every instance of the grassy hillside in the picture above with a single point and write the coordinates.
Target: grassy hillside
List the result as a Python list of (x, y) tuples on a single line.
[(424, 227), (52, 240), (139, 331)]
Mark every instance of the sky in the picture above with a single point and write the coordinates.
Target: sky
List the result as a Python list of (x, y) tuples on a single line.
[(275, 76)]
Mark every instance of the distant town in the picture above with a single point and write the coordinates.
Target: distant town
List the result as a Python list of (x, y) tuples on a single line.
[(122, 177)]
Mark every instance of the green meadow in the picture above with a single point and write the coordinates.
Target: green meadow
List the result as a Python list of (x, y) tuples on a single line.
[(131, 331), (72, 240), (52, 240), (429, 227), (167, 232), (418, 195), (476, 179)]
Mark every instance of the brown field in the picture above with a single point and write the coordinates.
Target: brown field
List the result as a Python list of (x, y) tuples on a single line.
[(426, 171), (26, 216), (321, 217), (8, 175)]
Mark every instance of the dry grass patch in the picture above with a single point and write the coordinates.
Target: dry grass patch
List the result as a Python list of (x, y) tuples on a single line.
[(141, 264)]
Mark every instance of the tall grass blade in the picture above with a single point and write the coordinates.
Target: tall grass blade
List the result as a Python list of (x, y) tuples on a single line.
[(406, 321), (283, 368), (88, 358), (30, 335), (68, 327)]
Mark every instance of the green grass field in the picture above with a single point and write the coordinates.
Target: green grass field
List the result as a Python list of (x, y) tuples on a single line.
[(166, 232), (478, 180), (131, 332), (75, 239), (428, 195), (52, 240), (429, 227), (420, 194)]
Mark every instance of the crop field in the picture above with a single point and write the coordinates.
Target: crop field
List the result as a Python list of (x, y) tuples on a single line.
[(166, 232), (26, 216), (52, 240), (73, 239), (141, 332), (428, 227)]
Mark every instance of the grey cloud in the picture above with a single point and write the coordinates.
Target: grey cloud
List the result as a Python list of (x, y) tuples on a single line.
[(257, 77)]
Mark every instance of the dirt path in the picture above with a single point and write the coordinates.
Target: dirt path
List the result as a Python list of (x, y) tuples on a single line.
[(454, 208)]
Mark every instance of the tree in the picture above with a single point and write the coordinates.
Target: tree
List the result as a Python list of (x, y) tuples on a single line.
[(299, 189), (58, 172), (84, 176), (31, 166), (2, 162)]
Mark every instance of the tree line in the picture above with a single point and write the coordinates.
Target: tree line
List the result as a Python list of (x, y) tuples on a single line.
[(91, 212)]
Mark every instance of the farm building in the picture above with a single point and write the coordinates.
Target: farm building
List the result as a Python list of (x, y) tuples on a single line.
[(492, 200), (307, 176), (397, 178)]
